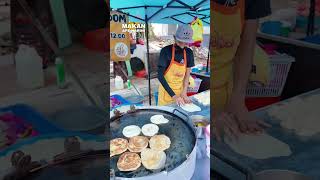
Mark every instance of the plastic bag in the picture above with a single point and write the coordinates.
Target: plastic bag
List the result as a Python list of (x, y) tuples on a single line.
[(261, 67), (197, 27)]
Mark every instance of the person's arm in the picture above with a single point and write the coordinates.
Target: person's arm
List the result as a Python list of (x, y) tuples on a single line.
[(186, 81), (255, 9), (243, 60), (164, 83), (243, 64), (236, 117), (163, 63), (190, 63)]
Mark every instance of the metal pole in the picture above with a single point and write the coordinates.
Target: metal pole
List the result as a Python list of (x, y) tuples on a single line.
[(207, 68), (148, 60), (311, 17)]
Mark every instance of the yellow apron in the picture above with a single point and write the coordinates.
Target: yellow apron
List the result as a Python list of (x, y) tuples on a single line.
[(226, 25), (174, 75)]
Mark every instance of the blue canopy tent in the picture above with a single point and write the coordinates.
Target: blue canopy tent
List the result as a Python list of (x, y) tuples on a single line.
[(163, 12)]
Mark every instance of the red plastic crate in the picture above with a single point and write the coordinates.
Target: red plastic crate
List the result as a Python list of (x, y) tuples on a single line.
[(191, 93), (96, 40), (259, 102)]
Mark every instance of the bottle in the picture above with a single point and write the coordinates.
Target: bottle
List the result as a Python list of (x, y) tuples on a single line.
[(29, 68), (119, 83), (60, 73), (129, 84)]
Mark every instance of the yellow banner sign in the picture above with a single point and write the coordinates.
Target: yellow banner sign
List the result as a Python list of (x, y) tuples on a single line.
[(119, 40)]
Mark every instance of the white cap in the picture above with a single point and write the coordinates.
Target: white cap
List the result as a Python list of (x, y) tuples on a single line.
[(184, 33)]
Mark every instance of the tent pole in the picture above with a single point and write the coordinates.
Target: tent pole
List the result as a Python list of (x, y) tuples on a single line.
[(148, 60), (310, 30), (207, 68)]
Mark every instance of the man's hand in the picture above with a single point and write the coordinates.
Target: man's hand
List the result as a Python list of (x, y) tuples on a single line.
[(186, 99), (225, 125), (247, 122), (179, 100)]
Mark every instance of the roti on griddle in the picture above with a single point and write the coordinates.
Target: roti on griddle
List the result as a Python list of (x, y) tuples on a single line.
[(159, 142), (159, 119), (150, 129), (138, 143), (153, 159), (129, 161), (131, 131), (118, 146)]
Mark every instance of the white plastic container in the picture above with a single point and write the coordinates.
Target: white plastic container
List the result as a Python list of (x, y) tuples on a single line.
[(29, 68), (118, 81), (280, 66), (195, 89), (207, 134)]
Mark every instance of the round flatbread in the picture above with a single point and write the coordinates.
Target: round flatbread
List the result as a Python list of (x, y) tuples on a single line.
[(191, 107), (131, 131), (265, 145), (160, 142), (129, 161), (138, 143), (158, 119), (150, 130), (153, 159), (118, 146)]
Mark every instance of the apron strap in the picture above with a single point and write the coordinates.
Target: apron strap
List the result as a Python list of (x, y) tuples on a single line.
[(172, 59), (185, 58)]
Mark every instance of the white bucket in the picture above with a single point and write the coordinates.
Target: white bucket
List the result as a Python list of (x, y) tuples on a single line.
[(29, 68), (118, 81)]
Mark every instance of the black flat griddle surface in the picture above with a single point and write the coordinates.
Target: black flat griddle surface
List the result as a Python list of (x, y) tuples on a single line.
[(180, 133)]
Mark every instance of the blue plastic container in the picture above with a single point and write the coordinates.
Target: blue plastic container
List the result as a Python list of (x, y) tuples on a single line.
[(135, 100), (120, 99), (29, 115), (155, 94), (313, 39), (272, 27), (195, 70)]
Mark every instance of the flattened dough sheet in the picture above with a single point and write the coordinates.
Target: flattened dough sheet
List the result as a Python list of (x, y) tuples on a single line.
[(299, 114), (261, 146)]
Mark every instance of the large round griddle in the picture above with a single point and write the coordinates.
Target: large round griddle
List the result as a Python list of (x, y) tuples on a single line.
[(179, 129)]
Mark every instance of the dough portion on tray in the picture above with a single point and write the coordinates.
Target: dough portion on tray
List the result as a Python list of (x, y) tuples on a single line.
[(299, 114), (261, 146), (191, 107), (203, 98)]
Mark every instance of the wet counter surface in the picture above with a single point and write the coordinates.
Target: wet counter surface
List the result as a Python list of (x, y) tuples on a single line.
[(305, 157)]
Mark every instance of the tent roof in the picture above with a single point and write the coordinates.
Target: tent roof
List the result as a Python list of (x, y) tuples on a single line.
[(164, 11)]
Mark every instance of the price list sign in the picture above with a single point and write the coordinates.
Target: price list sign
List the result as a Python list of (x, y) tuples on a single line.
[(119, 40)]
